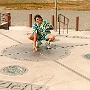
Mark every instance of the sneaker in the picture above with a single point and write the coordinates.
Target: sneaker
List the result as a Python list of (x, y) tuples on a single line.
[(39, 43), (48, 45)]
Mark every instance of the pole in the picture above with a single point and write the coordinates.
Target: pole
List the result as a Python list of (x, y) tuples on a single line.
[(53, 20), (77, 23), (8, 18), (30, 20), (55, 15), (0, 18)]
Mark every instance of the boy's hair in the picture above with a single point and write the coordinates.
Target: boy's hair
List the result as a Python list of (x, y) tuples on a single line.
[(39, 16)]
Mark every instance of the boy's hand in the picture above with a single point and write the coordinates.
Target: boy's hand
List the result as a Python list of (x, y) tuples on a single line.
[(35, 49)]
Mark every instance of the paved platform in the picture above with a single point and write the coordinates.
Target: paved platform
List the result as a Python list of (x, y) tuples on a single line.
[(66, 66)]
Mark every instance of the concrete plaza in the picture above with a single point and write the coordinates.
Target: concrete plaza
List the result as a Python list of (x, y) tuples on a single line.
[(66, 66)]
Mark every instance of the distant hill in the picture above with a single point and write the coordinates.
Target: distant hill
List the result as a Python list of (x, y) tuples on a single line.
[(26, 1), (44, 4), (35, 1)]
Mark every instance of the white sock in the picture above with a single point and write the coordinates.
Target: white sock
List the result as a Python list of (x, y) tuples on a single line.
[(48, 42)]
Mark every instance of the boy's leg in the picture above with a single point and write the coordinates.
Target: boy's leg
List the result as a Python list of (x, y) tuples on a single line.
[(31, 37), (49, 38), (38, 43)]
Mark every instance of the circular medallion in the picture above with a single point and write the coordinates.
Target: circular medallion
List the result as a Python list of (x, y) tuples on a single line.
[(25, 52), (87, 56), (14, 70)]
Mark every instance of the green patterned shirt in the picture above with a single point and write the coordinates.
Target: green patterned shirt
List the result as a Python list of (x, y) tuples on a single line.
[(42, 30)]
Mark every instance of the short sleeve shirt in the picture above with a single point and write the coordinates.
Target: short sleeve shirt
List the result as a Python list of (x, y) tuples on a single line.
[(40, 29)]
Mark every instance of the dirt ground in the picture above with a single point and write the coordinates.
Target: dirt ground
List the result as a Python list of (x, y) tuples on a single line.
[(70, 5)]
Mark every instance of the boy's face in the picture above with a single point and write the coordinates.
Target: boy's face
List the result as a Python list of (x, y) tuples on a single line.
[(39, 20)]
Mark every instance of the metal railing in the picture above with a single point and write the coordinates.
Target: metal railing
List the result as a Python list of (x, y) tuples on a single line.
[(2, 18), (65, 21), (5, 20)]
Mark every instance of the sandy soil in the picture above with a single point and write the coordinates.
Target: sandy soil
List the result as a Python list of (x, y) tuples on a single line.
[(78, 5)]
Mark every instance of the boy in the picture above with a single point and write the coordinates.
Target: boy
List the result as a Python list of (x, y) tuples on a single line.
[(41, 31)]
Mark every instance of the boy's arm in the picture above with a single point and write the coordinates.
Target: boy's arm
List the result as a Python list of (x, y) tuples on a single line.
[(35, 39), (49, 26), (35, 36)]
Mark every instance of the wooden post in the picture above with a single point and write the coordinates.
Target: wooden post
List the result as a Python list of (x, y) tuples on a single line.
[(77, 23), (8, 18), (30, 20), (53, 20)]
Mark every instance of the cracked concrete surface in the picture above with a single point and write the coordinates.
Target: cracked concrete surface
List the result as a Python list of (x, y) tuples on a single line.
[(62, 67)]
